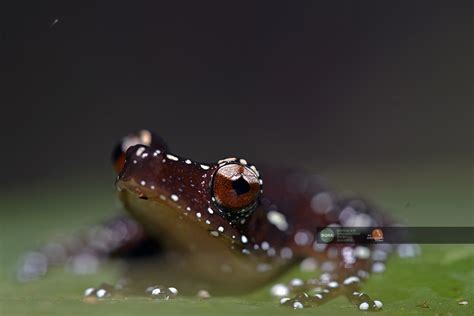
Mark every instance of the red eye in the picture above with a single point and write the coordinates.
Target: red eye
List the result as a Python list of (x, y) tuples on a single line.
[(236, 186)]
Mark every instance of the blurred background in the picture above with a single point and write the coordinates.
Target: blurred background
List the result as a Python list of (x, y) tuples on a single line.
[(352, 90)]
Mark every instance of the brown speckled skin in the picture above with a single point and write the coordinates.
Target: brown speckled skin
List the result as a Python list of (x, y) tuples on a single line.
[(192, 184), (294, 202), (177, 217), (189, 182), (157, 176)]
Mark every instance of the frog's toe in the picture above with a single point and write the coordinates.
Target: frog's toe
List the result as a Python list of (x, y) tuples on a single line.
[(365, 303), (305, 300), (101, 292), (373, 306), (162, 293)]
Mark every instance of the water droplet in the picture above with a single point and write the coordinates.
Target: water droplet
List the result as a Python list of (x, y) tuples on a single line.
[(408, 250), (162, 293), (296, 282), (203, 294), (279, 290), (364, 306), (308, 265), (351, 280), (89, 291), (101, 293), (378, 267)]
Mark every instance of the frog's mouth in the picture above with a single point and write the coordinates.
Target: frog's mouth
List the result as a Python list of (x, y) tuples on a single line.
[(199, 249), (177, 225)]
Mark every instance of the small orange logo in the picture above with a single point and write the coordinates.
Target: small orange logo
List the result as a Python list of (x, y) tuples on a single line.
[(377, 234)]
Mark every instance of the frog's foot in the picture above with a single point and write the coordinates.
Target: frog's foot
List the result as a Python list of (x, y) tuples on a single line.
[(101, 292), (159, 292), (342, 275), (315, 292)]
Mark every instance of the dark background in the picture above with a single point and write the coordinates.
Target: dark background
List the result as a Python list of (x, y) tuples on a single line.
[(297, 83)]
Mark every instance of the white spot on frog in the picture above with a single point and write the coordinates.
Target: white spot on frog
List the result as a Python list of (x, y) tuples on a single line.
[(303, 238), (277, 219), (286, 253), (362, 252), (172, 157), (140, 151), (322, 203), (309, 265)]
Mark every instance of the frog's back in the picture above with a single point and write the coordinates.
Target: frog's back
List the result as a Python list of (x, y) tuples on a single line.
[(297, 205)]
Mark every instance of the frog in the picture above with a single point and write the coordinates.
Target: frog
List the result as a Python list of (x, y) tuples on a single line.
[(225, 227)]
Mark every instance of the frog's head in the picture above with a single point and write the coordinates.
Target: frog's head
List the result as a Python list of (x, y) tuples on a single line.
[(166, 192), (210, 211)]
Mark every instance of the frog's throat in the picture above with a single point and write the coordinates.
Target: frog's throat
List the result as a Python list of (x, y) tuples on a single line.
[(162, 221)]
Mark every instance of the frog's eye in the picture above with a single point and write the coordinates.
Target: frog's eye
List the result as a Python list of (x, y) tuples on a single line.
[(143, 137), (236, 187)]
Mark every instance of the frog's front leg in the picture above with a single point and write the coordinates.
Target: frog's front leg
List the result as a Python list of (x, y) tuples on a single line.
[(82, 253), (342, 276)]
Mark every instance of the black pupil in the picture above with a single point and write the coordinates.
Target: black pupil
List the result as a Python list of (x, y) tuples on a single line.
[(240, 185)]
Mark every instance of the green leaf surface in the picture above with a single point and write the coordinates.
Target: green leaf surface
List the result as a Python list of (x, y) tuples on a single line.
[(430, 284)]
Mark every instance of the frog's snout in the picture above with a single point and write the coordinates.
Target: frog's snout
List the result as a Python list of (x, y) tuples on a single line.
[(136, 168)]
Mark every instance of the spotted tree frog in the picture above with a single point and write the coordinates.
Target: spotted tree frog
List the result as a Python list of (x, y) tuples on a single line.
[(224, 227)]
